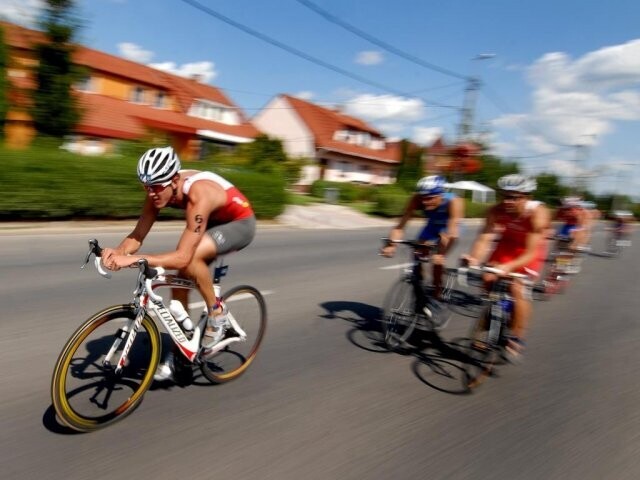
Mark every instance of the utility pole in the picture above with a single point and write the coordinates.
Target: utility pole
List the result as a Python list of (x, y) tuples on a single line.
[(580, 160), (472, 87), (468, 107), (579, 182)]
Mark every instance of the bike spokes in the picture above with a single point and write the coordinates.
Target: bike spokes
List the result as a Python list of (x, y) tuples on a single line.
[(88, 391)]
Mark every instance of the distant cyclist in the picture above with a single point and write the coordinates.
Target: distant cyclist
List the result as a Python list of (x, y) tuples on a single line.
[(520, 223), (575, 222), (621, 224), (219, 219), (443, 212)]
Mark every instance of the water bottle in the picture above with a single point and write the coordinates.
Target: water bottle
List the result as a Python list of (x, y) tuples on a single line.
[(181, 315)]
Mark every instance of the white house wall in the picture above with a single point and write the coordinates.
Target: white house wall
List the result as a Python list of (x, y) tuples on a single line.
[(347, 169), (278, 119)]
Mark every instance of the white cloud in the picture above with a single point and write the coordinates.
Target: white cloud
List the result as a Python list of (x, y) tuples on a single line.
[(388, 108), (426, 135), (134, 52), (23, 12), (578, 101), (205, 70), (305, 95), (369, 57)]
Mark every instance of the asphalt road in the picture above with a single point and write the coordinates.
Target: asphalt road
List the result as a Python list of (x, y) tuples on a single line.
[(323, 400)]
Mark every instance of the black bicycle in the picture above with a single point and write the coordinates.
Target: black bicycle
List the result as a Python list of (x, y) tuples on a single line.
[(492, 330), (409, 305)]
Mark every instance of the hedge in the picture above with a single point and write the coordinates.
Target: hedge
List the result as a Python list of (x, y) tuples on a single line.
[(347, 192), (41, 183)]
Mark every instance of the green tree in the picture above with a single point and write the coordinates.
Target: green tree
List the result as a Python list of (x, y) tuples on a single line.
[(4, 83), (492, 169), (550, 190), (267, 155), (410, 168), (55, 109)]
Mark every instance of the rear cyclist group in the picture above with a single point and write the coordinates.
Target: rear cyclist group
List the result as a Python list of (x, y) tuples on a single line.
[(516, 225)]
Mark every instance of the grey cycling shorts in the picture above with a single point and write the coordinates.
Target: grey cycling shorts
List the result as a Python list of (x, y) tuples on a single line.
[(233, 236)]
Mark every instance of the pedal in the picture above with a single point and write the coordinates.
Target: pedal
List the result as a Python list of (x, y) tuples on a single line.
[(222, 344)]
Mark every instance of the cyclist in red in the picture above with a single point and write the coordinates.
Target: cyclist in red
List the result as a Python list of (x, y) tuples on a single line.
[(219, 220), (521, 248)]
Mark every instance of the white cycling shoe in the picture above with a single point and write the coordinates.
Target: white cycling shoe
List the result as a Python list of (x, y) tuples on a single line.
[(164, 373), (216, 328)]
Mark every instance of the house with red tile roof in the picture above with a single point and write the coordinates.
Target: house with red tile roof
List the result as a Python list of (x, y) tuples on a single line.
[(340, 148), (454, 160), (125, 100)]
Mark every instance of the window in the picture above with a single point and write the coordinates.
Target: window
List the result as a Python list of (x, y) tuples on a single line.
[(12, 72), (84, 84), (213, 111), (160, 100), (137, 95), (377, 144)]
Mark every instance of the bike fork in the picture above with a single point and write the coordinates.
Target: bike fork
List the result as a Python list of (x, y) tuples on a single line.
[(127, 332)]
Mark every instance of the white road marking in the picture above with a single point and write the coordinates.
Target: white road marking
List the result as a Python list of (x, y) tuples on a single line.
[(397, 266)]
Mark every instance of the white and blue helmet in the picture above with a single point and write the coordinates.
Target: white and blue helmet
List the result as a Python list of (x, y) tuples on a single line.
[(158, 165), (517, 183), (431, 185)]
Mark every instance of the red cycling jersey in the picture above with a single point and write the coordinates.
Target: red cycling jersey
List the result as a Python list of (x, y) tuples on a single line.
[(513, 242), (237, 207)]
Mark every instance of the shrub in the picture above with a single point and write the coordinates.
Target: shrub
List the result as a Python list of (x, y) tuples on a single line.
[(43, 183), (347, 192), (390, 201), (475, 210)]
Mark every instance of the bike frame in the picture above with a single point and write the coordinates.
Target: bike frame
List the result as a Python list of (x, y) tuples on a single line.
[(499, 300), (145, 298)]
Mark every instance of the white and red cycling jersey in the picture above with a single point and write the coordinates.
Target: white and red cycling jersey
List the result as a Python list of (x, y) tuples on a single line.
[(237, 207), (513, 242)]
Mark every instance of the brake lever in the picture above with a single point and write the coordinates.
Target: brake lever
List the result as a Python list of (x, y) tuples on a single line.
[(97, 251)]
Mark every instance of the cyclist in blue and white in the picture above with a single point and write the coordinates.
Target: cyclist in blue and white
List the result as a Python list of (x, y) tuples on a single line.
[(443, 211)]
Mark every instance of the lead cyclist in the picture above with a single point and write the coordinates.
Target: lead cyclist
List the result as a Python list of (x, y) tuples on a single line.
[(218, 220)]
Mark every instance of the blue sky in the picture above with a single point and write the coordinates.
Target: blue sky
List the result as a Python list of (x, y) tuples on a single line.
[(564, 73)]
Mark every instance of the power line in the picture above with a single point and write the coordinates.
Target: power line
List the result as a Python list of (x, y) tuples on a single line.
[(380, 43), (301, 54), (527, 127)]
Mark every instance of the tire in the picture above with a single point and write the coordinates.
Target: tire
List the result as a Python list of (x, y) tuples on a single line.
[(481, 355), (400, 315), (248, 307), (86, 394)]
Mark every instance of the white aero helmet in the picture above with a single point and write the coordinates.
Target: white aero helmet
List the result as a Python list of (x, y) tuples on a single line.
[(431, 185), (517, 183), (572, 202), (158, 165)]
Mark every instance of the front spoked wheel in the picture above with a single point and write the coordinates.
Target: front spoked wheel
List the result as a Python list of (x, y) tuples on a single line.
[(400, 315), (86, 392), (249, 310)]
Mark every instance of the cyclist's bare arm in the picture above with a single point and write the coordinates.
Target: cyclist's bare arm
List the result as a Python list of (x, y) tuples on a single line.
[(133, 241), (452, 232), (203, 200), (484, 239), (397, 233)]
